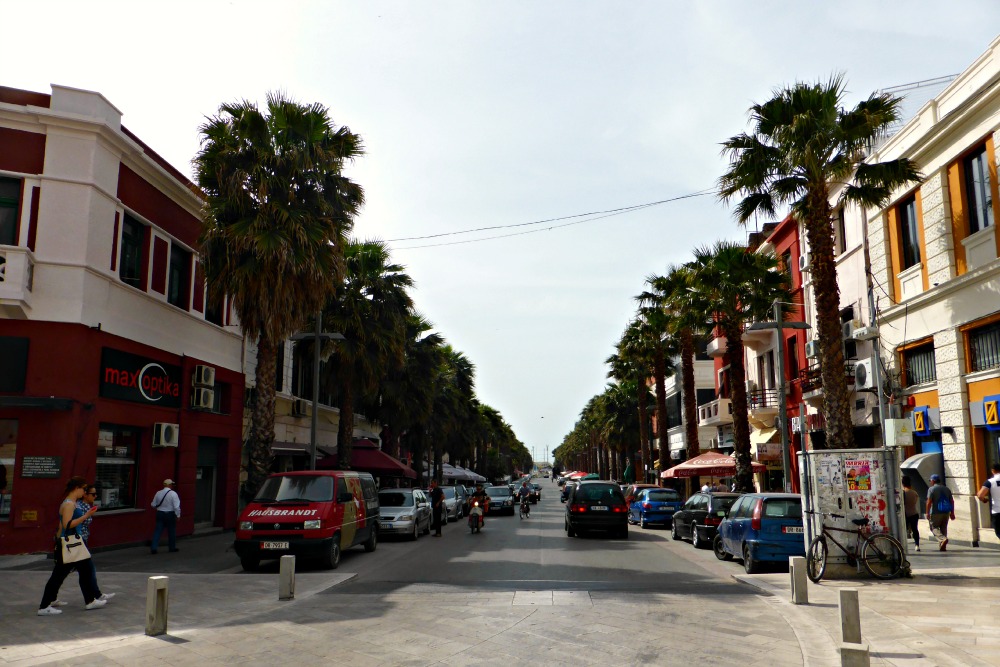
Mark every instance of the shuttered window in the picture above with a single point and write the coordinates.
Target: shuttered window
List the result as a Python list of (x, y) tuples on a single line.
[(919, 365), (984, 347), (978, 191)]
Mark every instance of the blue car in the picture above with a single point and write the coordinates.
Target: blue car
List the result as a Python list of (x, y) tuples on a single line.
[(761, 527), (654, 506)]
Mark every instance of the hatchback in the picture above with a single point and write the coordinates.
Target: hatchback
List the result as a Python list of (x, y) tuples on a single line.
[(632, 490), (654, 506), (404, 512), (762, 527), (597, 505), (698, 520)]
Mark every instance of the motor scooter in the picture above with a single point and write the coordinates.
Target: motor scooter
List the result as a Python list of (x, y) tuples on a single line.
[(476, 519)]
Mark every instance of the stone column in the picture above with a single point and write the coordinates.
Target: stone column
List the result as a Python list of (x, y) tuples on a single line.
[(878, 251), (938, 241), (954, 404)]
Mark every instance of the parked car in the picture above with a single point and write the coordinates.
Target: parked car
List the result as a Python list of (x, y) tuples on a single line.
[(632, 490), (654, 506), (698, 520), (596, 505), (761, 527), (501, 500), (536, 494), (454, 502), (567, 490), (404, 512), (308, 513)]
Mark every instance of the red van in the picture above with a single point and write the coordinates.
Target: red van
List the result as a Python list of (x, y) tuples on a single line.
[(310, 513)]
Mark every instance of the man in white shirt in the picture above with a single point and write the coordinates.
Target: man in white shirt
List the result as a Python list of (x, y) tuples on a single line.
[(989, 492), (168, 508)]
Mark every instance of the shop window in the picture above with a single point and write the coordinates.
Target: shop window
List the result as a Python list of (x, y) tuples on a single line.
[(978, 190), (8, 450), (984, 347), (10, 200), (179, 277), (117, 465), (919, 366), (133, 252), (909, 238)]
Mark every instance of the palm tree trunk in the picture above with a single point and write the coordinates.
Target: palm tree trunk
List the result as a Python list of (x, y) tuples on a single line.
[(836, 398), (741, 421), (345, 428), (690, 396), (659, 376), (643, 431), (262, 419)]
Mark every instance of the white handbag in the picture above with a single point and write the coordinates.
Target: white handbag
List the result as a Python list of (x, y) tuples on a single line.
[(73, 549)]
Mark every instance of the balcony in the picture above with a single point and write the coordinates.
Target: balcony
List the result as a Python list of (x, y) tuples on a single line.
[(715, 413), (812, 383), (764, 405), (716, 347), (17, 267), (758, 339)]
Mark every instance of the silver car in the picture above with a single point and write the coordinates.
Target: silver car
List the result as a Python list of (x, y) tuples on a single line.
[(454, 503), (404, 512)]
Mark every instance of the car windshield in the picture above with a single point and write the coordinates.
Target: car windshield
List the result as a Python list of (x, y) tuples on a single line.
[(723, 503), (296, 488), (498, 492), (783, 508), (449, 492), (598, 492), (663, 495), (395, 499)]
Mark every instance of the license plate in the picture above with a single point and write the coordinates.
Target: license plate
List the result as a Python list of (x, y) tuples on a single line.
[(274, 545), (598, 508), (791, 529), (385, 526)]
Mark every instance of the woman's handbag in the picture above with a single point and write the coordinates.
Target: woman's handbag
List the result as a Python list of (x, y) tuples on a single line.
[(72, 549)]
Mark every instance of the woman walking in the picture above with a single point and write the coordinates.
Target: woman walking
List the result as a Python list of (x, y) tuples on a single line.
[(70, 518)]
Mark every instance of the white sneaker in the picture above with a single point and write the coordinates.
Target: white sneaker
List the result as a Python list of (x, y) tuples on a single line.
[(107, 596), (96, 604), (49, 611), (917, 547), (58, 603)]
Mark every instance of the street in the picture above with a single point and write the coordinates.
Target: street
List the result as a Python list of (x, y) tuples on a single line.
[(520, 590)]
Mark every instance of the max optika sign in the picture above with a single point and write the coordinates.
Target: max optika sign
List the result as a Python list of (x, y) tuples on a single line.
[(129, 377)]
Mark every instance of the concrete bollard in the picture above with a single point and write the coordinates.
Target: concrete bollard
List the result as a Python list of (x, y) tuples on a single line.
[(157, 601), (800, 582), (854, 655), (850, 616), (286, 578)]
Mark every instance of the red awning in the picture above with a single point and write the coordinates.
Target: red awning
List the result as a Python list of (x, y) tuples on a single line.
[(366, 457), (709, 464)]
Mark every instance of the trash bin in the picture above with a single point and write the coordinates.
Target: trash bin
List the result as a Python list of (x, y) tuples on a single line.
[(919, 468)]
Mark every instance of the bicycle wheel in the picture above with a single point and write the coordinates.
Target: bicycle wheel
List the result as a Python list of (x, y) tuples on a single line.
[(882, 555), (816, 559)]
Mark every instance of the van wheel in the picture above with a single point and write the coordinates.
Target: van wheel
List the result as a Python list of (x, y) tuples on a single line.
[(332, 557), (250, 564), (372, 542)]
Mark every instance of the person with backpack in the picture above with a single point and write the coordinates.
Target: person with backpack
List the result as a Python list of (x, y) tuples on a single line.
[(989, 492), (168, 509), (940, 508)]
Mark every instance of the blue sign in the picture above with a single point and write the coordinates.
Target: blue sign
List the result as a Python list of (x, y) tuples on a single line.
[(921, 420), (991, 415)]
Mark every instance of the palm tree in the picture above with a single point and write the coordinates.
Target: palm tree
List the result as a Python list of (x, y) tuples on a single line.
[(632, 363), (734, 287), (371, 310), (277, 213), (655, 324), (802, 142)]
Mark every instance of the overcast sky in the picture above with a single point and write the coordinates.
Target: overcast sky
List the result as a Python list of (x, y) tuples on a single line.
[(478, 114)]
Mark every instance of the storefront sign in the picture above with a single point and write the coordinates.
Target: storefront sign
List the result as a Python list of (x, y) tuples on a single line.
[(41, 466), (991, 415), (921, 421), (129, 377)]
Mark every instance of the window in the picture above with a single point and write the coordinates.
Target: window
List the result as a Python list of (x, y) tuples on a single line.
[(793, 358), (741, 508), (214, 310), (786, 264), (179, 277), (279, 368), (8, 450), (117, 463), (919, 366), (984, 347), (841, 231), (133, 250), (10, 196), (781, 508), (978, 190), (308, 488), (908, 236)]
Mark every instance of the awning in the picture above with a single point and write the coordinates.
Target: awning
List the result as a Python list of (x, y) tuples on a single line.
[(761, 435), (710, 464), (366, 457), (297, 449)]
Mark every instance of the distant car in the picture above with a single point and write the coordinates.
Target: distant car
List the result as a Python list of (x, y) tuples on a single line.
[(454, 503), (761, 527), (536, 494), (698, 520), (632, 490), (654, 506), (567, 490), (404, 512), (596, 505), (501, 500)]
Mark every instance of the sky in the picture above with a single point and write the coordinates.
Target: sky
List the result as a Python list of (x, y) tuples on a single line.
[(480, 114)]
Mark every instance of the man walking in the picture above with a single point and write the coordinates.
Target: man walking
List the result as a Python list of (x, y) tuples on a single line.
[(989, 492), (437, 506), (168, 509), (911, 505), (940, 508)]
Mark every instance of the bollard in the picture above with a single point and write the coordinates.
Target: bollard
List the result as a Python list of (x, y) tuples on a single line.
[(286, 578), (156, 605), (800, 582), (850, 616), (854, 655)]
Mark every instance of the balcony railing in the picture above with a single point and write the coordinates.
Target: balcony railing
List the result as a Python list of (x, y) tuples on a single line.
[(761, 399), (17, 272), (719, 411), (812, 381)]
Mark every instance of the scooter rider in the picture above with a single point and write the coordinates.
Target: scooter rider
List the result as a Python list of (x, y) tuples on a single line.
[(479, 496), (523, 494)]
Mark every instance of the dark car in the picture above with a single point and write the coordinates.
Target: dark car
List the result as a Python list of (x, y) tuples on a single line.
[(762, 527), (654, 506), (501, 500), (597, 505), (567, 490), (698, 520), (536, 493)]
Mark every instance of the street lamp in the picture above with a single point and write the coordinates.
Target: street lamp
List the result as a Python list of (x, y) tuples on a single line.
[(317, 337), (779, 325)]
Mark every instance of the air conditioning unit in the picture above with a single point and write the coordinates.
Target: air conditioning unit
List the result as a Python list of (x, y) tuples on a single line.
[(166, 435), (864, 378), (812, 349), (298, 407), (848, 328), (804, 262), (204, 376), (202, 399), (866, 333)]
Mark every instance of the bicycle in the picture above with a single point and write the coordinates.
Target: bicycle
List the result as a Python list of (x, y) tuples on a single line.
[(880, 553), (524, 508)]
